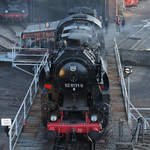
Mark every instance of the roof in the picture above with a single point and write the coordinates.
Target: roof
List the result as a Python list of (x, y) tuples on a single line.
[(41, 27)]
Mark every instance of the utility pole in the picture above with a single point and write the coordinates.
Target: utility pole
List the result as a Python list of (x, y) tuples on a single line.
[(116, 7), (105, 9)]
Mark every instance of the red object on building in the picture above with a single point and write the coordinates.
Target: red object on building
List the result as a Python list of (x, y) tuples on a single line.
[(131, 2)]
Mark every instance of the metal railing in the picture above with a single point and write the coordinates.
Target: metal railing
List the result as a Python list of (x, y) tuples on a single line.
[(128, 105), (139, 131), (25, 59), (21, 116), (16, 51)]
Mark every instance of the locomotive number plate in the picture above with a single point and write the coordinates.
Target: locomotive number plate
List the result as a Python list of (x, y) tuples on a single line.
[(73, 85)]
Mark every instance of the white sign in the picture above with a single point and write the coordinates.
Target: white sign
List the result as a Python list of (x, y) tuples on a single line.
[(5, 122), (18, 34)]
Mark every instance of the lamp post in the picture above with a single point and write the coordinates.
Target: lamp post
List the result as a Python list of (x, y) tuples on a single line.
[(116, 7), (127, 71)]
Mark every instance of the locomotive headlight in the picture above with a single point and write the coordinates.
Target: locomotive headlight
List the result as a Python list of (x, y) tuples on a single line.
[(53, 118), (61, 72), (47, 25), (93, 118), (23, 11), (6, 11)]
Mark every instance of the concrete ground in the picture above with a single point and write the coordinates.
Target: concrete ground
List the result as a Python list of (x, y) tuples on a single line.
[(140, 86), (13, 87)]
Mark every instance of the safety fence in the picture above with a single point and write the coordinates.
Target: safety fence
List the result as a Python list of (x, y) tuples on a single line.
[(21, 116), (18, 51), (133, 113), (27, 57)]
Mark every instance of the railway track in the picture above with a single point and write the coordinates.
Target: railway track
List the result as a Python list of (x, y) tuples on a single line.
[(33, 135), (111, 139), (8, 36), (82, 144), (5, 43), (8, 32)]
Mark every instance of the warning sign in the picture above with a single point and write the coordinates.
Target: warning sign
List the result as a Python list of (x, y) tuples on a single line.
[(5, 122)]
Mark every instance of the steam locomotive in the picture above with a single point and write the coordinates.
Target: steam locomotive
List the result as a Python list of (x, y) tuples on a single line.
[(75, 99), (14, 10)]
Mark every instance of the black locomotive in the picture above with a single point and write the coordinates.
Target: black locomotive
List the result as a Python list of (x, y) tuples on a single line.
[(14, 10), (76, 95)]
